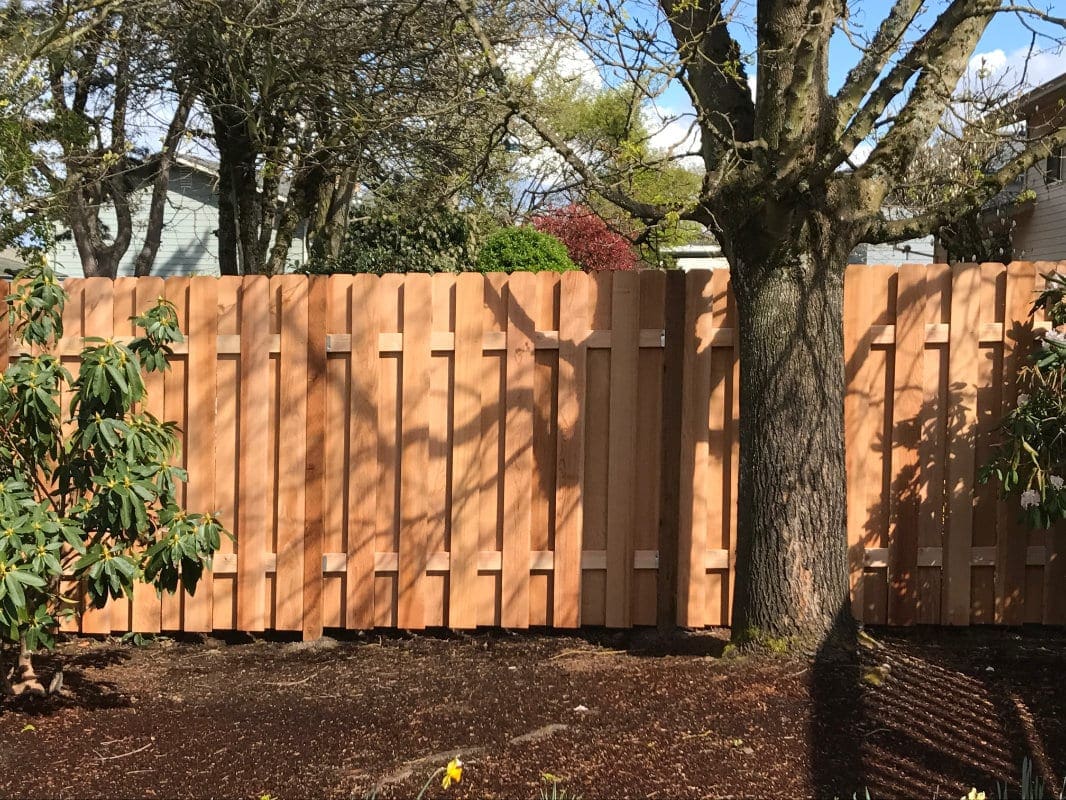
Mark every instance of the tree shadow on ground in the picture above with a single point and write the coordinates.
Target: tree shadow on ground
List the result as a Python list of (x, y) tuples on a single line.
[(947, 715)]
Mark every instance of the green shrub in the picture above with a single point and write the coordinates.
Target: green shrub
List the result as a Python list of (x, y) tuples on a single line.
[(379, 241), (88, 490), (1029, 462), (523, 250)]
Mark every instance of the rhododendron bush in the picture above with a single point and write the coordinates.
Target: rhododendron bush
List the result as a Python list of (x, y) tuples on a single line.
[(1030, 461), (591, 244)]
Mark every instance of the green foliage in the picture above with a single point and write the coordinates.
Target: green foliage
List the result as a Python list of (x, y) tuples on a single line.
[(92, 494), (380, 241), (523, 249), (609, 127), (1030, 461)]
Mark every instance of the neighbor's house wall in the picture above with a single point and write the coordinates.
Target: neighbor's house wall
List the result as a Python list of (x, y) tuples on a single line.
[(1040, 234), (189, 243), (912, 251)]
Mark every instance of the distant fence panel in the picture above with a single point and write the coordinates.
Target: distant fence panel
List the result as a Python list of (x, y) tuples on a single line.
[(469, 450)]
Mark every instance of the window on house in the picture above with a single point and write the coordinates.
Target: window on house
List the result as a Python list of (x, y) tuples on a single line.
[(1053, 170)]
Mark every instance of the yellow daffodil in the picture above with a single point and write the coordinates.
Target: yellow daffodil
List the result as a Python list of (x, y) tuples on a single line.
[(974, 795), (453, 773)]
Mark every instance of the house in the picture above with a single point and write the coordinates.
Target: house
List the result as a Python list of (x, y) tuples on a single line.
[(707, 254), (912, 251), (1040, 222), (189, 244)]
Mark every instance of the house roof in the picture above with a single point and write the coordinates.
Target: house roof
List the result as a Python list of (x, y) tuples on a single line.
[(205, 165), (10, 262), (1033, 97)]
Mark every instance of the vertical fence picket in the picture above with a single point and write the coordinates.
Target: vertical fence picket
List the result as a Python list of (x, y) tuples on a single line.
[(362, 455), (438, 428), (857, 422), (413, 553), (648, 457), (692, 546), (716, 576), (98, 317), (1017, 344), (253, 452), (292, 450), (466, 436), (337, 404), (907, 402), (227, 472), (621, 467), (962, 381), (521, 299), (124, 307), (670, 479), (176, 290), (570, 462), (147, 605), (200, 429), (544, 446), (314, 466)]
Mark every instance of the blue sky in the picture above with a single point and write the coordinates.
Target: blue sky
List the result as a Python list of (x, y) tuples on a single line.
[(1004, 48)]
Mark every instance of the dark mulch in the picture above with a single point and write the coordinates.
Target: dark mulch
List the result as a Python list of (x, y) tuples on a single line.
[(665, 719)]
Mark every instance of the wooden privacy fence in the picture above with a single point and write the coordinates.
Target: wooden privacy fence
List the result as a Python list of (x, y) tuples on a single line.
[(416, 450)]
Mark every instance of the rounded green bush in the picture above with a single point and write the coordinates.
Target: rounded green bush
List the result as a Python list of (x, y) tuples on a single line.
[(523, 249), (379, 241)]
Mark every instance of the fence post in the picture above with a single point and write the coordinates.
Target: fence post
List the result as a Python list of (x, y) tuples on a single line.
[(670, 471), (314, 490)]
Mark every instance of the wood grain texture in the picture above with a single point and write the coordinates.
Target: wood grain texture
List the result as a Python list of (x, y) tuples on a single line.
[(858, 424), (622, 463), (98, 319), (1017, 342), (692, 545), (414, 556), (962, 382), (570, 464), (318, 298), (363, 454), (907, 400), (521, 299), (466, 438), (292, 450), (253, 453), (200, 434)]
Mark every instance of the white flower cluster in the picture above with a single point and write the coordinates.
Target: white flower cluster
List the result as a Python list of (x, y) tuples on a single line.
[(1023, 399), (1055, 481), (1054, 337), (1030, 498)]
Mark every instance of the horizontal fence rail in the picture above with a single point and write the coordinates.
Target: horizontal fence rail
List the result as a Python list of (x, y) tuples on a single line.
[(486, 450)]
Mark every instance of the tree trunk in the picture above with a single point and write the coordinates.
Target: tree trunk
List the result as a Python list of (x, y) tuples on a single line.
[(227, 222), (249, 214), (161, 185), (791, 570), (22, 679), (279, 253)]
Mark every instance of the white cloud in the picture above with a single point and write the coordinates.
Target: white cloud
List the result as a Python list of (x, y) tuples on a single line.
[(1022, 66), (551, 61), (671, 130)]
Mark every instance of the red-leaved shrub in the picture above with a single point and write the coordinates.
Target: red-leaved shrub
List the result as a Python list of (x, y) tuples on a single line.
[(591, 244)]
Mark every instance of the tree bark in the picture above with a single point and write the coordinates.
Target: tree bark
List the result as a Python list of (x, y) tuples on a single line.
[(161, 185), (227, 222), (791, 570)]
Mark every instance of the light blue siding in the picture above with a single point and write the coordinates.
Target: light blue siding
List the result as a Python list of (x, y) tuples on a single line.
[(189, 243)]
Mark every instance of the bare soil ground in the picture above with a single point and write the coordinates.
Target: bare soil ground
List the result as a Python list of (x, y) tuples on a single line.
[(662, 719)]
